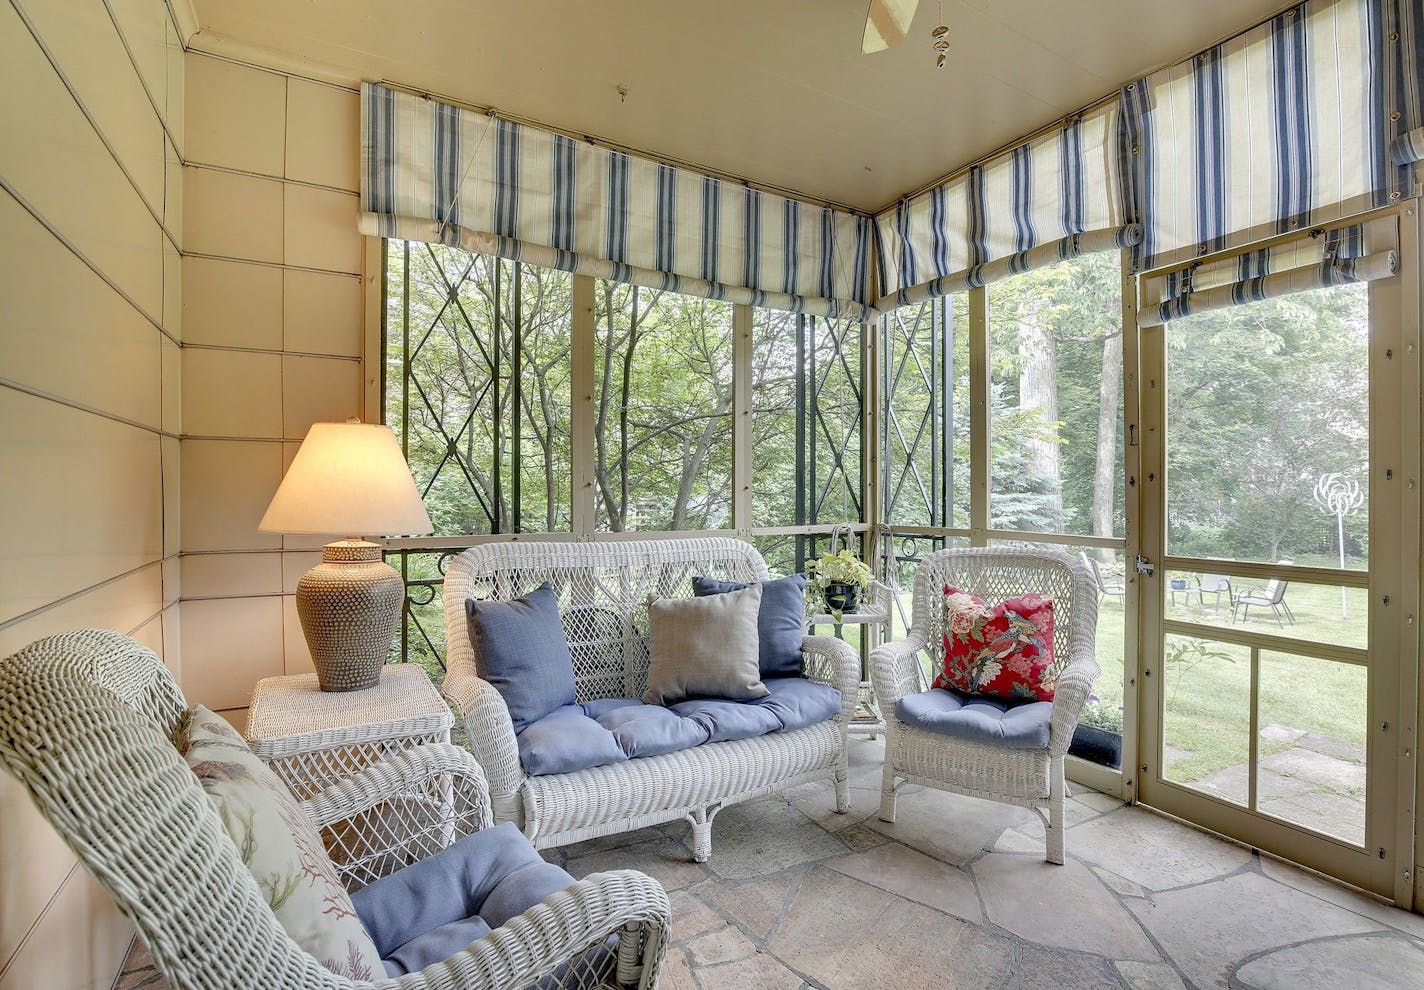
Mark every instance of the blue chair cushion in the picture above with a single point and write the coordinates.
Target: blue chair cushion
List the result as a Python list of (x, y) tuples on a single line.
[(520, 648), (566, 740), (724, 720), (426, 912), (611, 730), (647, 730), (797, 702), (993, 721), (781, 620)]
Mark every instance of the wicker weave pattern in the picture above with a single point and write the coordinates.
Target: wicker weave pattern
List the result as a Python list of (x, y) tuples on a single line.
[(312, 739), (1028, 778), (603, 590), (86, 720)]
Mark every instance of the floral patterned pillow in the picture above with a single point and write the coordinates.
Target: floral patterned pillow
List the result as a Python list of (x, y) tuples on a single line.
[(1003, 651), (281, 848)]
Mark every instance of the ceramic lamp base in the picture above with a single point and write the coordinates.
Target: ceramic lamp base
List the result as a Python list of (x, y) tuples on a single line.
[(349, 605)]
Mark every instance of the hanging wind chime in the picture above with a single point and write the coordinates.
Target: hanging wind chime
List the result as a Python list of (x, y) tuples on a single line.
[(940, 34)]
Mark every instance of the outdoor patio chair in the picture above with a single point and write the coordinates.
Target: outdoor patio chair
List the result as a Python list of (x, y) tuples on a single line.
[(87, 720), (1272, 596), (1213, 584), (1018, 767), (1111, 586)]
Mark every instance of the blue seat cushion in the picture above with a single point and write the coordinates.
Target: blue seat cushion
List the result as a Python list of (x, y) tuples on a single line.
[(426, 912), (611, 730), (727, 720), (520, 648), (781, 620), (646, 730), (566, 740), (797, 702), (993, 721)]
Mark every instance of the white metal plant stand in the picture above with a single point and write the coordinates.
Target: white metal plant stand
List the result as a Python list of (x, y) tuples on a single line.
[(312, 738), (868, 720)]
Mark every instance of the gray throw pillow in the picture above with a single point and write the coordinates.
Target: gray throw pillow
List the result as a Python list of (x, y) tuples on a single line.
[(704, 647)]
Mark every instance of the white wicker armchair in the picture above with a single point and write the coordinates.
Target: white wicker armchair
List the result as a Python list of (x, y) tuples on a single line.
[(603, 590), (1030, 778), (85, 724)]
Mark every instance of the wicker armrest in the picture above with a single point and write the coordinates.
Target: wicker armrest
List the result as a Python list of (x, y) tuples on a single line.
[(490, 731), (895, 670), (549, 935), (401, 810), (1070, 695), (828, 660)]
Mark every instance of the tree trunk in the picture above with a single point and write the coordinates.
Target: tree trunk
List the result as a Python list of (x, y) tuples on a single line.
[(1105, 466), (1038, 391)]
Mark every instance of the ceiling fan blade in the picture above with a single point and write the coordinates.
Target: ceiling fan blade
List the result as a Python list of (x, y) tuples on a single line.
[(886, 23)]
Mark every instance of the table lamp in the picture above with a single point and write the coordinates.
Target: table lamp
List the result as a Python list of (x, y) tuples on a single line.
[(348, 478)]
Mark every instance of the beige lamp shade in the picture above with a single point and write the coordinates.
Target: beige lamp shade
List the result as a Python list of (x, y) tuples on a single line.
[(348, 479)]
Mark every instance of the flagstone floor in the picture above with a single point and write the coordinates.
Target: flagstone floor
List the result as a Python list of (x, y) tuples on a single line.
[(955, 894)]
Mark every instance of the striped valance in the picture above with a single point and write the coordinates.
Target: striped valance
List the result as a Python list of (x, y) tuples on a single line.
[(440, 173), (1054, 197), (1295, 123), (1323, 259)]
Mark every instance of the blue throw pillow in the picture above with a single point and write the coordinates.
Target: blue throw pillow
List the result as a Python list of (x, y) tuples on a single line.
[(781, 622), (520, 648)]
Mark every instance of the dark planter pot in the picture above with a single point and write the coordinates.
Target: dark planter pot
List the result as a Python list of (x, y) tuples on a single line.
[(1101, 746), (1179, 584), (841, 597)]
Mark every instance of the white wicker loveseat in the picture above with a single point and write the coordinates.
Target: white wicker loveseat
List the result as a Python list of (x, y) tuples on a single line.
[(603, 589), (85, 724), (1030, 778)]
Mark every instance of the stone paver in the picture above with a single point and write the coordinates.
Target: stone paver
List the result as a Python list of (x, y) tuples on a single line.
[(904, 871), (1152, 851), (1376, 962), (724, 945), (1043, 969), (845, 933), (1063, 906), (761, 837), (762, 971), (756, 905), (949, 827), (1338, 748), (663, 859), (691, 917), (1208, 928), (1317, 768), (1149, 976), (1281, 734), (1341, 815), (1361, 904)]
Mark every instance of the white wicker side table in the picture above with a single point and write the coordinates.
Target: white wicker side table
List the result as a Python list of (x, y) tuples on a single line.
[(313, 738)]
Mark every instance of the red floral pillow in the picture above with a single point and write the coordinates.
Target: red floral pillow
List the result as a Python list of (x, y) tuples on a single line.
[(1003, 651)]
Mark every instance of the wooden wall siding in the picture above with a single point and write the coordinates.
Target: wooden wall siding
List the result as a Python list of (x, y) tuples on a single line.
[(273, 324), (90, 334)]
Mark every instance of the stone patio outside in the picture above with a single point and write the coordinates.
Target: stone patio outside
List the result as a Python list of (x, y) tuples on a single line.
[(956, 895)]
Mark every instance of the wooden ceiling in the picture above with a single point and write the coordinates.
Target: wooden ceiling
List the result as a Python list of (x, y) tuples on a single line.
[(772, 90)]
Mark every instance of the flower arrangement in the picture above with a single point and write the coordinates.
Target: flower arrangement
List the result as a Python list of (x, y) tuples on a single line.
[(840, 578)]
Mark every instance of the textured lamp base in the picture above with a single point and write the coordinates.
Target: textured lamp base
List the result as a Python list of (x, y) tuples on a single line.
[(349, 605)]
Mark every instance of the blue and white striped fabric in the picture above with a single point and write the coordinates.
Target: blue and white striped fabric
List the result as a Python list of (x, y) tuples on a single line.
[(1295, 123), (1322, 259), (1055, 197), (434, 172)]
